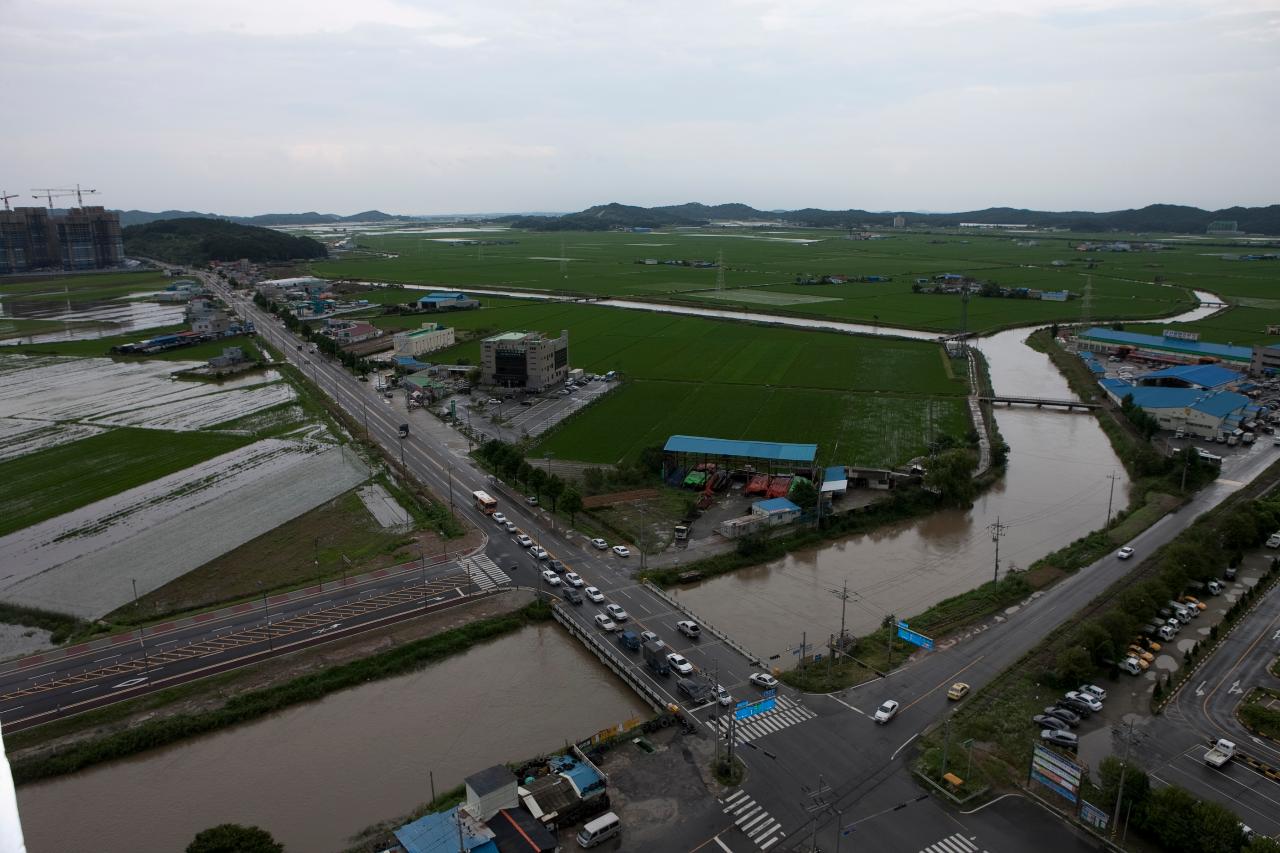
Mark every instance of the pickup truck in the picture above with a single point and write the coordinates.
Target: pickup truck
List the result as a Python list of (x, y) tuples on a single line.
[(1221, 753), (655, 655)]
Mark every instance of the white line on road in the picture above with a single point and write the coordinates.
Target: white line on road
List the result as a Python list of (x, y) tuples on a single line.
[(904, 746), (108, 657), (723, 846), (90, 687)]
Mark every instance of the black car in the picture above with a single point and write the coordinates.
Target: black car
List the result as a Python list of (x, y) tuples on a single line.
[(1045, 721), (571, 595), (556, 566), (1076, 707), (1071, 718)]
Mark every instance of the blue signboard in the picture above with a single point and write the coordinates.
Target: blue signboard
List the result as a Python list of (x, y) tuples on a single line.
[(1092, 815), (905, 633), (1055, 772), (750, 709)]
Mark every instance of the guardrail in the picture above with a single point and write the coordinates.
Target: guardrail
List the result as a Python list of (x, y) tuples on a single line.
[(756, 660), (621, 666)]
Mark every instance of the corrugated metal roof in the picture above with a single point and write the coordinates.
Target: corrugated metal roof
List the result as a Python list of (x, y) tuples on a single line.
[(777, 505), (1204, 375), (777, 451), (1160, 342), (835, 472), (1221, 404)]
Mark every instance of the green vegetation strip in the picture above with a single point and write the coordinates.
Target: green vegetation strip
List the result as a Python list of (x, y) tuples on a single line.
[(1260, 712), (255, 704), (50, 482), (60, 626)]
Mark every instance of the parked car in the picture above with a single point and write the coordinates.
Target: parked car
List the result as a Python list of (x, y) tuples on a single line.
[(1045, 721), (572, 579), (649, 637), (1084, 711), (679, 663), (605, 622), (617, 613), (1125, 553), (622, 550), (524, 541), (1089, 699), (539, 553), (531, 500), (886, 712), (599, 544), (594, 594), (1069, 717), (571, 595), (1059, 738), (1095, 691), (550, 577), (958, 691), (763, 679), (1215, 587), (500, 518), (1229, 573)]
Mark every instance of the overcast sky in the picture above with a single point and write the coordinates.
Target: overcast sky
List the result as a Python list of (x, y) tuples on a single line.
[(254, 106)]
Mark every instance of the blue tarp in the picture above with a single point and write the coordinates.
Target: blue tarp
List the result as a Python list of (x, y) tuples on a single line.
[(776, 451)]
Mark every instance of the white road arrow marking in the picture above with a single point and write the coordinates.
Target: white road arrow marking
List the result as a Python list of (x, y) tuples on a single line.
[(1200, 689), (1235, 687)]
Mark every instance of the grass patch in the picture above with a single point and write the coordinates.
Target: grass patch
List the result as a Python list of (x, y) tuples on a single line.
[(255, 704), (60, 626), (49, 482), (1260, 712)]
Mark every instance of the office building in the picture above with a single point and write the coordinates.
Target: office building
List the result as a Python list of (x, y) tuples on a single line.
[(524, 360)]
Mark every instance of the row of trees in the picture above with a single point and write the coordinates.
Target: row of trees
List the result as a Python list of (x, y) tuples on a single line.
[(324, 343), (509, 462), (1199, 554)]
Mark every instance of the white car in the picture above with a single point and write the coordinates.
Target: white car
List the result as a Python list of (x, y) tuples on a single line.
[(617, 613), (1087, 699), (622, 550), (550, 577), (722, 696), (572, 579), (1125, 553), (678, 663), (511, 527), (599, 544), (605, 622), (886, 712), (539, 553), (1095, 691), (525, 541), (763, 679), (594, 594), (500, 518), (531, 500)]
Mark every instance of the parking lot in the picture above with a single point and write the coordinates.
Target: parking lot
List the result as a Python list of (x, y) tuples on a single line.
[(527, 415)]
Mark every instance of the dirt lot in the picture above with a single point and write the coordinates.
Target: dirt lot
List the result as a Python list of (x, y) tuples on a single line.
[(215, 692)]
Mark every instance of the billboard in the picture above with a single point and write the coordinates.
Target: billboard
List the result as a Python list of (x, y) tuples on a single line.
[(905, 633), (1056, 773), (1092, 815), (745, 709)]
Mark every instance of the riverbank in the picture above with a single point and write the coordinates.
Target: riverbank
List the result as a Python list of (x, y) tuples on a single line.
[(205, 706)]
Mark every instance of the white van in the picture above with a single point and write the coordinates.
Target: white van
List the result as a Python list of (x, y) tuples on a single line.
[(599, 830)]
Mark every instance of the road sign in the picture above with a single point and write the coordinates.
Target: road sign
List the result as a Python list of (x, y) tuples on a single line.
[(1093, 815), (750, 709), (905, 633)]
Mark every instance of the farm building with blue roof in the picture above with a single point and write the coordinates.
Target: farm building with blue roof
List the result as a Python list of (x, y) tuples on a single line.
[(1193, 410), (1172, 346)]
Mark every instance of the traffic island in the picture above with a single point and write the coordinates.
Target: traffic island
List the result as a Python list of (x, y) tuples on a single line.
[(728, 772)]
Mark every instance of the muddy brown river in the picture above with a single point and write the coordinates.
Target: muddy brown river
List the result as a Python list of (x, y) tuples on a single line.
[(316, 774)]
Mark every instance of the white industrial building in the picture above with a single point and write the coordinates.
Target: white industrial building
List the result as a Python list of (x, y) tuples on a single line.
[(429, 338)]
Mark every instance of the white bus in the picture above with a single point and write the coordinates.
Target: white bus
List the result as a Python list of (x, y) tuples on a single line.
[(484, 502)]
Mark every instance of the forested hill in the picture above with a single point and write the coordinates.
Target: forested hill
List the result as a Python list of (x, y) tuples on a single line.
[(198, 241), (1152, 218)]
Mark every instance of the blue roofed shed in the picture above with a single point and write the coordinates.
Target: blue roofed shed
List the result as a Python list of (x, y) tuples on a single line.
[(773, 451), (776, 510), (438, 833), (1206, 376), (835, 480)]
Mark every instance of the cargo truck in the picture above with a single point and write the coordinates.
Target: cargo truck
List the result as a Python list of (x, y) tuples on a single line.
[(404, 430), (1222, 752), (655, 655)]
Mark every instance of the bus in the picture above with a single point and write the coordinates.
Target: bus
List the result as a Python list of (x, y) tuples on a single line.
[(484, 503)]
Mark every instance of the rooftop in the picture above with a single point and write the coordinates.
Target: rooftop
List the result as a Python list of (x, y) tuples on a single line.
[(491, 779), (772, 450), (1204, 375), (1158, 342), (777, 505)]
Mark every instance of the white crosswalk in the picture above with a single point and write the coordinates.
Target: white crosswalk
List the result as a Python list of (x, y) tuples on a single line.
[(787, 712), (485, 572), (751, 818), (956, 843)]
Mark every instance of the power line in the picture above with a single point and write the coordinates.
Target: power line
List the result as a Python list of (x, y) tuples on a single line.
[(997, 530)]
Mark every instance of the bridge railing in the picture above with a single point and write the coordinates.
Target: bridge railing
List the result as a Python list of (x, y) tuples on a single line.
[(608, 656)]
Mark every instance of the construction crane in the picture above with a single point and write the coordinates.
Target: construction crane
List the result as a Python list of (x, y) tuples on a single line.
[(6, 196), (50, 193)]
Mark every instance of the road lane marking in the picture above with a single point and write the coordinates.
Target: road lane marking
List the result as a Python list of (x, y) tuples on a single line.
[(108, 657), (904, 746)]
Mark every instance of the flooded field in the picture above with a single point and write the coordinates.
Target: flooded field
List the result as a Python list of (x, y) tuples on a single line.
[(347, 761), (87, 320)]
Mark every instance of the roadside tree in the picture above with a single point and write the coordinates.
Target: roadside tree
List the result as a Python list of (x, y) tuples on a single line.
[(555, 488), (234, 838), (571, 501)]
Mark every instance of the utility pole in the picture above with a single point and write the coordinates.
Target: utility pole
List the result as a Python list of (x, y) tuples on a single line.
[(1113, 476), (1124, 761), (997, 530), (817, 803), (946, 743), (844, 597), (893, 626)]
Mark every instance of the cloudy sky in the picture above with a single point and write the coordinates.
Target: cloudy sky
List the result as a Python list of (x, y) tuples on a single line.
[(253, 106)]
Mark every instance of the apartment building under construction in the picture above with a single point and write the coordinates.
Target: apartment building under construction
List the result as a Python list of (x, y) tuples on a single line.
[(83, 238)]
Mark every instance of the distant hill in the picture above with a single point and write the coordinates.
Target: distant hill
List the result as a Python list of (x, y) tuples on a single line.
[(1155, 217), (142, 217), (198, 240)]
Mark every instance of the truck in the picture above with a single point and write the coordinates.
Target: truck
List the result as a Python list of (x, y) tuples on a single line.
[(404, 430), (682, 532), (629, 640), (1221, 752), (655, 655)]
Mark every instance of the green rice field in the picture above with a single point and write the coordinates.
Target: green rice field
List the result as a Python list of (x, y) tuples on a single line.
[(82, 287), (761, 268), (49, 482)]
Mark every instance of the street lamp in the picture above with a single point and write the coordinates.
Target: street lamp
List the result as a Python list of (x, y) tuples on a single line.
[(266, 614)]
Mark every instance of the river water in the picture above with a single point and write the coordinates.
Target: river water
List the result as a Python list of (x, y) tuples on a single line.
[(316, 774)]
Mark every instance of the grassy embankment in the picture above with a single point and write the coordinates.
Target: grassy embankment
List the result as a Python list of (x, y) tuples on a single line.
[(247, 706), (1260, 712), (761, 270)]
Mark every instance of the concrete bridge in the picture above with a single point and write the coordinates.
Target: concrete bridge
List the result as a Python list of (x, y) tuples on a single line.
[(1039, 402)]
